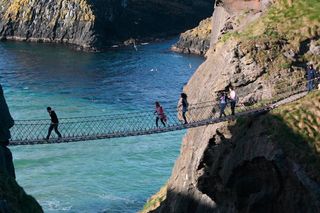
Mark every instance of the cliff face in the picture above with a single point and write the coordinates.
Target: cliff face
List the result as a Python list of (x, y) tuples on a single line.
[(257, 164), (267, 163), (95, 23), (12, 196), (195, 41), (14, 199), (68, 21)]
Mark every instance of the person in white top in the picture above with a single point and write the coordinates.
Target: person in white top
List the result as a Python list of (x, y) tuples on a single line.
[(233, 99)]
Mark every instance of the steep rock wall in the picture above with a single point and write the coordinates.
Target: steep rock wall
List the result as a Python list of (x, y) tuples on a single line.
[(196, 40), (67, 21), (253, 164), (96, 23)]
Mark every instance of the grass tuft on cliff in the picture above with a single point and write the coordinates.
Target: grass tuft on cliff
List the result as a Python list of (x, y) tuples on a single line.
[(297, 19), (287, 26), (300, 136), (155, 201), (295, 128)]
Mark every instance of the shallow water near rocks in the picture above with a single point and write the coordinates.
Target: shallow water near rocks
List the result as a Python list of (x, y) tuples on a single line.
[(116, 175)]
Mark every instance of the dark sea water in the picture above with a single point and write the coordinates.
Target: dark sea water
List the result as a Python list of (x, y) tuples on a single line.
[(116, 175)]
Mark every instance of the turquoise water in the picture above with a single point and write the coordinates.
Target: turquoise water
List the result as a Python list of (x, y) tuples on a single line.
[(116, 175)]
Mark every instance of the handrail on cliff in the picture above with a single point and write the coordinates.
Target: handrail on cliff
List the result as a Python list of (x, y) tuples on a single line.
[(29, 132)]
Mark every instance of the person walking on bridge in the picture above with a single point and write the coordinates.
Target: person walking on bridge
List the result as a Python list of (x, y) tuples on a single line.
[(233, 99), (54, 123), (311, 76), (160, 114), (185, 106), (223, 104)]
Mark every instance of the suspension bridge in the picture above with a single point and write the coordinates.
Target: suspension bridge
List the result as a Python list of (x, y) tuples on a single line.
[(30, 132)]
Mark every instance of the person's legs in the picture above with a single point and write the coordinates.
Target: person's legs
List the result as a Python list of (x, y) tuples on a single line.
[(56, 130), (222, 110), (157, 120), (49, 131), (162, 121), (184, 117), (310, 85), (233, 106)]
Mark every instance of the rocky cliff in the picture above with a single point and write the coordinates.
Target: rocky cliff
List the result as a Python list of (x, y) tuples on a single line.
[(196, 40), (14, 199), (96, 23), (12, 196), (266, 163)]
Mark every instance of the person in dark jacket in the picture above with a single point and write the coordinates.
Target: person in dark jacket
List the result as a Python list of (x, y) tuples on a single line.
[(6, 122), (54, 123), (311, 76), (223, 104), (185, 106)]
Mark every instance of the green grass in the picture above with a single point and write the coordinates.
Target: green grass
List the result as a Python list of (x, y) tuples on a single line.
[(155, 200), (296, 127), (293, 127)]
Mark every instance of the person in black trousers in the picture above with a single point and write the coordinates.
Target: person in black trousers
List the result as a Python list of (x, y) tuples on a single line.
[(54, 123)]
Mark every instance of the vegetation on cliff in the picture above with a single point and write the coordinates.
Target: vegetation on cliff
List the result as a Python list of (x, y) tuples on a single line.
[(155, 201), (300, 137), (267, 162), (283, 34)]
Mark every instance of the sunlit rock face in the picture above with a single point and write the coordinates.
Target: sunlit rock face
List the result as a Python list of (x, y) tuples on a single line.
[(95, 23), (264, 163)]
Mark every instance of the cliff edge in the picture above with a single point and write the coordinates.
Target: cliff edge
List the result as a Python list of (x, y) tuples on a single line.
[(97, 23), (266, 163)]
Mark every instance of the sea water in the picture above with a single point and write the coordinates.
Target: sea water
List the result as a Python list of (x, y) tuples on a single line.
[(114, 175)]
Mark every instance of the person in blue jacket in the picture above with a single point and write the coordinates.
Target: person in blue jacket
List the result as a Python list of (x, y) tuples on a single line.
[(311, 77)]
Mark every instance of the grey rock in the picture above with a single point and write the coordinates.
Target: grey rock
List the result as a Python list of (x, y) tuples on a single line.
[(92, 24)]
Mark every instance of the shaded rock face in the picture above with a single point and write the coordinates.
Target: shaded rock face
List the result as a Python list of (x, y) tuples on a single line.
[(95, 23), (226, 168), (14, 199)]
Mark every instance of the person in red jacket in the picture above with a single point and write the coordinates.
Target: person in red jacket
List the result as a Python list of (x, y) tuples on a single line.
[(160, 114)]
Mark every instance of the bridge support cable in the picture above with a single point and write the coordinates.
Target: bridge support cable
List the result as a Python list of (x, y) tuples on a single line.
[(28, 132)]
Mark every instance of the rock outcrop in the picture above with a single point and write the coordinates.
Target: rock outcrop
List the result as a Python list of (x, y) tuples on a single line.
[(266, 163), (14, 199), (195, 41), (96, 23), (250, 165), (12, 196)]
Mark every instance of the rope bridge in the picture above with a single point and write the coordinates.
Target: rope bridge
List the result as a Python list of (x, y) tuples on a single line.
[(29, 132)]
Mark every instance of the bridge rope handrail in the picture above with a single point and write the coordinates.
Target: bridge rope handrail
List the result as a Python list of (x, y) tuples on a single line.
[(138, 123), (135, 112)]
